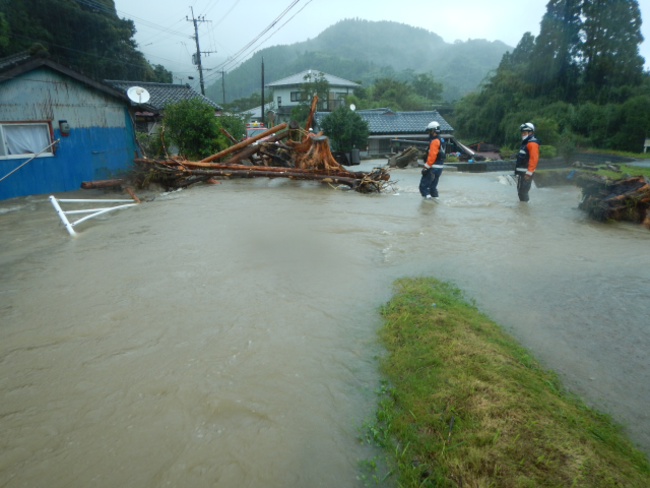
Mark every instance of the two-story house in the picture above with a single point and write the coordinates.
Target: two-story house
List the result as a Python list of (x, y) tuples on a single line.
[(287, 93)]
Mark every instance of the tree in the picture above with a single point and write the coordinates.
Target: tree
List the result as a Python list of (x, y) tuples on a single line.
[(581, 81), (424, 85), (610, 51), (345, 128), (4, 31), (246, 103), (315, 83), (89, 36), (553, 61), (392, 93), (193, 127)]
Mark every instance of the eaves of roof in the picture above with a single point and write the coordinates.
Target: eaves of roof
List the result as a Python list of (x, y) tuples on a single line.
[(299, 79), (161, 93), (11, 68), (398, 122)]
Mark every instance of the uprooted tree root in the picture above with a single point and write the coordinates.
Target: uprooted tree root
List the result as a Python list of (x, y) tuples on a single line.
[(626, 199)]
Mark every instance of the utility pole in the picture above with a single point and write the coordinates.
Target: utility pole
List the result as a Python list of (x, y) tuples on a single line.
[(263, 114), (197, 61), (223, 85)]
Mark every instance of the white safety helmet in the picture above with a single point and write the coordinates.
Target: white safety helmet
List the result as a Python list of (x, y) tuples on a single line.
[(528, 126), (434, 126)]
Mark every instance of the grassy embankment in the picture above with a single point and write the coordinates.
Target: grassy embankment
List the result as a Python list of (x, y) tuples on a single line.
[(554, 174), (465, 406)]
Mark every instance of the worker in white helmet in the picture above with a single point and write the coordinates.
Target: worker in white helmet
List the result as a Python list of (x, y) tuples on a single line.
[(527, 158), (434, 159)]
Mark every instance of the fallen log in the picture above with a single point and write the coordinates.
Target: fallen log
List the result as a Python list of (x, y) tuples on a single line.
[(240, 167), (404, 158), (227, 134), (288, 173), (90, 185), (247, 142)]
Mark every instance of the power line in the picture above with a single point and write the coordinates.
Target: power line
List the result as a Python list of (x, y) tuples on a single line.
[(276, 31), (103, 8), (227, 13), (272, 34), (239, 53)]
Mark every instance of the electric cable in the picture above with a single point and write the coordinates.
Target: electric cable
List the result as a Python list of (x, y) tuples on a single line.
[(239, 53)]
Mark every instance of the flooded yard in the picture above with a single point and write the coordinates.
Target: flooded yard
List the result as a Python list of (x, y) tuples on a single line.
[(225, 334)]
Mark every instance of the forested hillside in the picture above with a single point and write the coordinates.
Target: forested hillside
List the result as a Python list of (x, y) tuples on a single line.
[(581, 81), (85, 34), (362, 50)]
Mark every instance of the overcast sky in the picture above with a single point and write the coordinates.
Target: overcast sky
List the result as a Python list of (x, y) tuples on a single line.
[(165, 36)]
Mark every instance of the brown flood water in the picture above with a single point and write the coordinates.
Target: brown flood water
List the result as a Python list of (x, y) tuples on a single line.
[(225, 335)]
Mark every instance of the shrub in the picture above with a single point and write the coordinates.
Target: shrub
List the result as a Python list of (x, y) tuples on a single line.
[(193, 127), (345, 128), (547, 152)]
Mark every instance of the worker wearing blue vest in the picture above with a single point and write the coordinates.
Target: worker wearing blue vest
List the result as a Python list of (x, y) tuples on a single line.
[(434, 159)]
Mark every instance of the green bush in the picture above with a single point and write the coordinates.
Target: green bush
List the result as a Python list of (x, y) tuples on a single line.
[(547, 152), (345, 128), (193, 127), (151, 144)]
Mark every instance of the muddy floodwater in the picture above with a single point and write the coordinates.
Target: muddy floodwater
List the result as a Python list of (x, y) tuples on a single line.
[(225, 335)]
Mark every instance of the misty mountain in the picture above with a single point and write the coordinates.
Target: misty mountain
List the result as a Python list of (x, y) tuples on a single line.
[(361, 50)]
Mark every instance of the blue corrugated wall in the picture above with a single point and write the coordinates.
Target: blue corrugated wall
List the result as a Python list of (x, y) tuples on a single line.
[(93, 153), (100, 144)]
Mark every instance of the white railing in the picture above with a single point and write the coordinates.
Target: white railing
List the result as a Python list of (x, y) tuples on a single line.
[(93, 212)]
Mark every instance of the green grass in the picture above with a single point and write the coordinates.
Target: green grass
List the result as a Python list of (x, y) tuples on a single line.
[(620, 153), (631, 170), (513, 425)]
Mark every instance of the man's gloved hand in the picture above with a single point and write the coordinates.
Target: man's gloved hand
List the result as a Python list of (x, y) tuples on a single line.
[(425, 171)]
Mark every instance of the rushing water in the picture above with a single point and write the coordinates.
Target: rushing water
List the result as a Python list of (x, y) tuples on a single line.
[(225, 335)]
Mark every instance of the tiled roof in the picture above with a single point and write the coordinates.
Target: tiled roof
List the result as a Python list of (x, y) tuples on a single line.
[(13, 59), (386, 122), (299, 78), (255, 112), (161, 93)]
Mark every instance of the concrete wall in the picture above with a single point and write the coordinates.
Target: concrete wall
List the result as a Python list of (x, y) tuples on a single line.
[(100, 143)]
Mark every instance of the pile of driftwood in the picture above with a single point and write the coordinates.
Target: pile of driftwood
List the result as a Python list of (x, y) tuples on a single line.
[(623, 199), (283, 151)]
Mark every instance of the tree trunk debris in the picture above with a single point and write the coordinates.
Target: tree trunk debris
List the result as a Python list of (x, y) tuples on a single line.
[(91, 185), (625, 199), (270, 156), (405, 158)]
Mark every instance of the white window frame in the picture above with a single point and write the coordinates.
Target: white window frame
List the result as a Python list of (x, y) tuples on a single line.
[(48, 153)]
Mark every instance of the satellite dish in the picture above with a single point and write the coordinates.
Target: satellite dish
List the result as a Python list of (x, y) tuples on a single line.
[(137, 94), (353, 107)]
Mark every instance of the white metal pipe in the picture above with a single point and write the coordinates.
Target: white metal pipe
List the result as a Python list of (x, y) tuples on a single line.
[(90, 210), (70, 200), (103, 212), (62, 216)]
